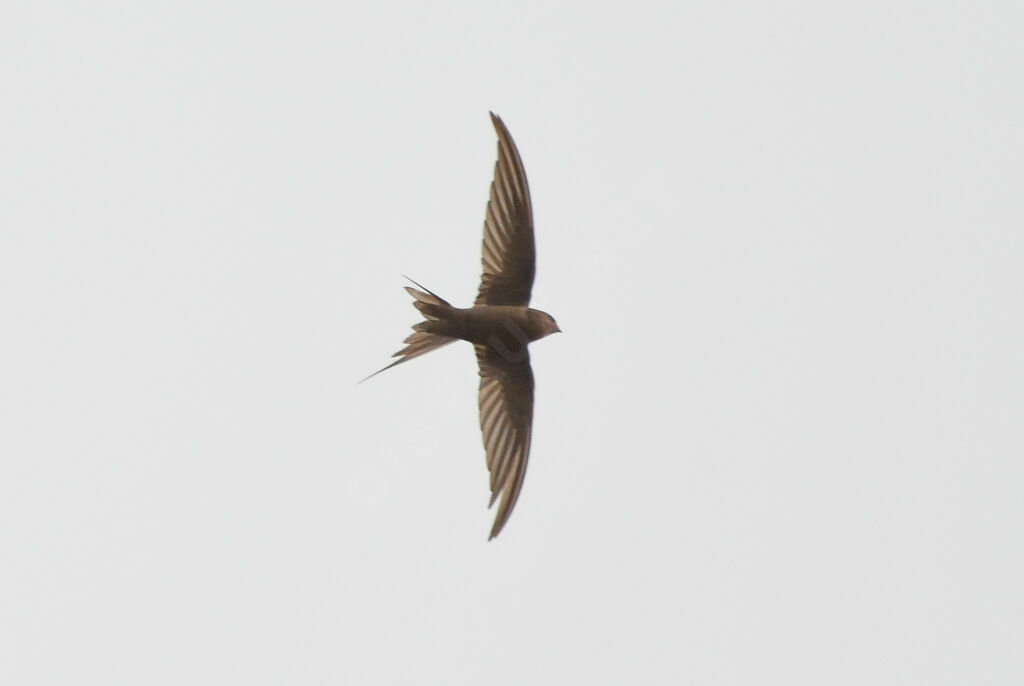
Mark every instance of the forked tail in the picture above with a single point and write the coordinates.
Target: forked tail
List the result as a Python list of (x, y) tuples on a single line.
[(421, 341)]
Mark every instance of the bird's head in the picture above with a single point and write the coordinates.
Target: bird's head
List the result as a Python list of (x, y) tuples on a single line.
[(543, 324)]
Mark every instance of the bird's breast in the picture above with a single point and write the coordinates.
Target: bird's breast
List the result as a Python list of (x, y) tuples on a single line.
[(499, 326)]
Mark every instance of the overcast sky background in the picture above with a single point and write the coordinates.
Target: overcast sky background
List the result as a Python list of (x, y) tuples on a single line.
[(779, 440)]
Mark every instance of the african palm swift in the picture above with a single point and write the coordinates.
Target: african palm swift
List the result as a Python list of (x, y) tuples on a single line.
[(500, 325)]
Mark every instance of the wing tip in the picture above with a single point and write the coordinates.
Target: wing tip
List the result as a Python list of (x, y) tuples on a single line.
[(495, 530), (499, 125), (501, 518)]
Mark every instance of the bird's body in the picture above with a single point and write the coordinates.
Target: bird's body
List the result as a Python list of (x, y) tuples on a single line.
[(489, 324), (500, 325)]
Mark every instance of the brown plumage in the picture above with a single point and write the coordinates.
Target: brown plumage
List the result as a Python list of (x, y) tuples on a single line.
[(500, 325)]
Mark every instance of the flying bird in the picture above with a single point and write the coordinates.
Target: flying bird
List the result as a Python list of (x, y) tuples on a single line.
[(500, 325)]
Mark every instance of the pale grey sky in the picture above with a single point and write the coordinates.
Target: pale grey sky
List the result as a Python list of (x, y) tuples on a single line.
[(779, 441)]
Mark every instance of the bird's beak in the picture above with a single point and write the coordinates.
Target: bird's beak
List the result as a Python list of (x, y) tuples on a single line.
[(557, 330)]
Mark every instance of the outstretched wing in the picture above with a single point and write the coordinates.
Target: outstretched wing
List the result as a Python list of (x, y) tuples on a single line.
[(506, 418), (508, 250)]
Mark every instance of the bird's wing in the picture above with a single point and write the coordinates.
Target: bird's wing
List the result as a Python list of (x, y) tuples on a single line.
[(508, 250), (506, 418)]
